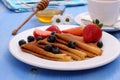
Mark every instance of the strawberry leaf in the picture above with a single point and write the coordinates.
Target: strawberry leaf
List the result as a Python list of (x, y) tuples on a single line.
[(100, 25), (97, 22)]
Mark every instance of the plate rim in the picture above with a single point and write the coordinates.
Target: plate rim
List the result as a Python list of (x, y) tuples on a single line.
[(58, 68)]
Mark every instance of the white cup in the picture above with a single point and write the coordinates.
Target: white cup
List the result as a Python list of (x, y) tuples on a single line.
[(106, 11)]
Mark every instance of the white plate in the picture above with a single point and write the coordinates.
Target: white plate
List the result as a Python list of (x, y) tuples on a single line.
[(110, 52), (86, 16)]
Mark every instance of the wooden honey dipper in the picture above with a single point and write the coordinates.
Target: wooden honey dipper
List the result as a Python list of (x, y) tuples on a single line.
[(40, 6)]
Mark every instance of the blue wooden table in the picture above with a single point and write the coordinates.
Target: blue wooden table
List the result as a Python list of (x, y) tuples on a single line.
[(13, 69)]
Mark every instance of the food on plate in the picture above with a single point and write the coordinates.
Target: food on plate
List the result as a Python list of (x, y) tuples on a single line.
[(100, 44), (32, 48), (51, 38), (39, 38), (71, 44), (92, 33), (81, 44), (81, 54), (38, 32), (75, 31), (54, 28), (21, 42), (30, 38), (60, 46)]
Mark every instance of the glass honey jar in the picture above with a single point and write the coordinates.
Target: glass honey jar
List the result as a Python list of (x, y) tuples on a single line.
[(46, 15)]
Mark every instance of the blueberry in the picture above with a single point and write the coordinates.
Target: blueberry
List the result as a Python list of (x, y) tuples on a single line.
[(51, 38), (21, 42), (100, 44), (56, 50), (48, 47), (39, 38), (30, 38), (71, 44), (53, 33)]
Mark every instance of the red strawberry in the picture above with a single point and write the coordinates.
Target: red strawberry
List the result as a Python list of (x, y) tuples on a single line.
[(38, 32), (75, 31), (53, 28), (92, 33)]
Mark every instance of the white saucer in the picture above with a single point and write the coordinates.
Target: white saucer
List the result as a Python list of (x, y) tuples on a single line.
[(86, 16)]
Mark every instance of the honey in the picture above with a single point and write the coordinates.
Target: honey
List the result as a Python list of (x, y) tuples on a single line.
[(47, 14)]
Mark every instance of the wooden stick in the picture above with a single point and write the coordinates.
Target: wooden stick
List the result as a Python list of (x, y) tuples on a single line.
[(40, 6), (19, 27)]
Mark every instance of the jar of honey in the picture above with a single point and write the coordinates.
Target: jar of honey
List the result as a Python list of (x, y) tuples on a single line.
[(46, 15)]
